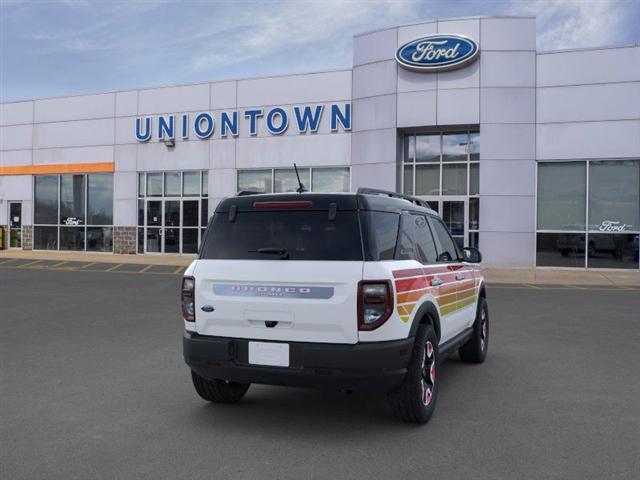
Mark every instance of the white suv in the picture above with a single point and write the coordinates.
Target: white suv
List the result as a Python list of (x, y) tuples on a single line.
[(363, 291)]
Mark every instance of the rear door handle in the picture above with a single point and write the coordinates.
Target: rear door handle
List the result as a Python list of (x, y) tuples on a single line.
[(436, 282), (460, 276)]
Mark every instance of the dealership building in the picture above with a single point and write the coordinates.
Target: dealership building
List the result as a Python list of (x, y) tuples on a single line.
[(533, 156)]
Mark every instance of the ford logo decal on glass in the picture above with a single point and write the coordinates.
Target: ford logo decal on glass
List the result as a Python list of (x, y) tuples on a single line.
[(437, 53)]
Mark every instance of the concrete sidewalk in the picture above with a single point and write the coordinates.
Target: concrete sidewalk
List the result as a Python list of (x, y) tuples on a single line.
[(533, 276)]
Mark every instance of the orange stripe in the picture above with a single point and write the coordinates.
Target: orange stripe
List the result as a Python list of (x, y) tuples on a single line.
[(98, 167)]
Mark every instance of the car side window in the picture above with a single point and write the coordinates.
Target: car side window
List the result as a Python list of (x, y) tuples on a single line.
[(447, 249), (416, 241)]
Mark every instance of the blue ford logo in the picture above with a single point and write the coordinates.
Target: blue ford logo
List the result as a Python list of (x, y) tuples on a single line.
[(437, 53)]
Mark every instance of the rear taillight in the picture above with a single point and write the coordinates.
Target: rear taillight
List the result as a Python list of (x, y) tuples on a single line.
[(375, 303), (187, 299)]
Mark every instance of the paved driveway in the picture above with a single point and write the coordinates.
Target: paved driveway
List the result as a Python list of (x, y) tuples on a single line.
[(93, 386)]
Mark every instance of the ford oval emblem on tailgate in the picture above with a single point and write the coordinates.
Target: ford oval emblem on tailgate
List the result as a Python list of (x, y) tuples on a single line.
[(207, 308)]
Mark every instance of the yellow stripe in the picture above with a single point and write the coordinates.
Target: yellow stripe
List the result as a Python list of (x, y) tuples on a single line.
[(97, 167), (404, 319)]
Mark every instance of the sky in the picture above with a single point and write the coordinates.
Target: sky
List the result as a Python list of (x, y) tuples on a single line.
[(66, 47)]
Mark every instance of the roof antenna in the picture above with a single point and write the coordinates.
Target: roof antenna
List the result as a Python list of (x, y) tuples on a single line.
[(301, 188)]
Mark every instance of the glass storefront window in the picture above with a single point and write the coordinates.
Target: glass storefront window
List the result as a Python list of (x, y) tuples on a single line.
[(454, 179), (141, 177), (330, 179), (205, 183), (100, 199), (561, 196), (72, 197), (192, 184), (285, 180), (254, 181), (427, 148), (614, 196), (474, 214), (427, 180), (455, 147), (46, 199), (560, 249), (154, 184), (72, 238), (99, 239), (474, 179), (45, 238), (408, 180), (607, 250), (172, 187), (474, 147)]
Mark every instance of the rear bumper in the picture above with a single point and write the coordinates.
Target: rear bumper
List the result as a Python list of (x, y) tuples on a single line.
[(376, 366)]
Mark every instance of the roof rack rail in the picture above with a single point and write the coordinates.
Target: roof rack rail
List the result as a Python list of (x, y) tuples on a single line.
[(387, 193), (244, 193)]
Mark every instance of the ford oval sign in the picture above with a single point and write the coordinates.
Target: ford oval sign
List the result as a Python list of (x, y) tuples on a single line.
[(437, 53)]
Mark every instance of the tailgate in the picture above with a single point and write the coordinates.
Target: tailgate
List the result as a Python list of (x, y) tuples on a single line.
[(298, 301)]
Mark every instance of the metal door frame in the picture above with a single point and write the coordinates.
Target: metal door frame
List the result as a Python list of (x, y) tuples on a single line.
[(9, 228)]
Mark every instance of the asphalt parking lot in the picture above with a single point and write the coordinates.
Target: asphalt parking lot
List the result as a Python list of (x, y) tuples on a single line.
[(92, 385)]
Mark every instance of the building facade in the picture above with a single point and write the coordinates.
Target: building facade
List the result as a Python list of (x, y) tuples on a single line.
[(532, 156)]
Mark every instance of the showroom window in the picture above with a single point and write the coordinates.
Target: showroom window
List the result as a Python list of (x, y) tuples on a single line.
[(173, 210), (279, 180), (443, 169), (588, 214), (73, 212)]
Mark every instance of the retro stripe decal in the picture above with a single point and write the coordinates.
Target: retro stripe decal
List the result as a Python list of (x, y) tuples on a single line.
[(413, 283)]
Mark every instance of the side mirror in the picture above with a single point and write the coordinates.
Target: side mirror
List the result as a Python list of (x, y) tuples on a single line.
[(471, 255)]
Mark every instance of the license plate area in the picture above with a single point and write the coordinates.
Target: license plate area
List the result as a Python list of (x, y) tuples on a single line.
[(269, 354)]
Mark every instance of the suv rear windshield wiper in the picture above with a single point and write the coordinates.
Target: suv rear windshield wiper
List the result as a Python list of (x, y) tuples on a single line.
[(283, 252)]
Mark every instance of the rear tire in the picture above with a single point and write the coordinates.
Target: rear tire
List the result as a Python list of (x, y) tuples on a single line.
[(414, 401), (475, 350), (219, 391)]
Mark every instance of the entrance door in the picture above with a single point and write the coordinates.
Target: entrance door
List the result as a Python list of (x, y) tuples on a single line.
[(453, 214), (15, 224), (171, 233), (172, 226)]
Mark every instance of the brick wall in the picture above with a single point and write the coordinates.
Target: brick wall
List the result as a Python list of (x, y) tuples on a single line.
[(124, 240), (27, 237)]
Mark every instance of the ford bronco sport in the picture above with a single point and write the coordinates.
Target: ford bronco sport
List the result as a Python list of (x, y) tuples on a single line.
[(364, 291)]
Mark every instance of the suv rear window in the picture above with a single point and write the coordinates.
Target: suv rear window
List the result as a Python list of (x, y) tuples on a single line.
[(304, 235)]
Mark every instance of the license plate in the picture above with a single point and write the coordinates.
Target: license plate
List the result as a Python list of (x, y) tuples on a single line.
[(268, 353)]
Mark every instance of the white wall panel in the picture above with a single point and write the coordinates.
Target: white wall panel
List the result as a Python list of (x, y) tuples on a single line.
[(184, 156), (409, 81), (458, 106), (611, 101), (374, 113), (283, 151), (589, 140), (373, 146), (126, 130), (223, 95), (15, 158), (417, 109), (16, 113), (222, 183), (16, 187), (75, 108), (507, 249), (507, 213), (16, 137), (125, 157), (508, 69), (376, 175), (295, 89), (589, 66), (467, 27), (125, 185), (508, 105), (375, 46), (187, 98), (467, 77), (222, 153), (73, 155), (71, 134), (412, 32), (507, 141), (507, 177), (508, 34), (375, 79), (127, 103), (125, 212)]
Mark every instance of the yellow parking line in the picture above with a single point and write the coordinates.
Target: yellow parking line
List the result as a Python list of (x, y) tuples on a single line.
[(59, 264), (113, 268), (178, 270), (145, 268), (7, 261), (88, 265), (29, 264)]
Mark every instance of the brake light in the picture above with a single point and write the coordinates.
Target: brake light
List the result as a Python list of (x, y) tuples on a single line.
[(375, 303), (284, 204), (187, 299)]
